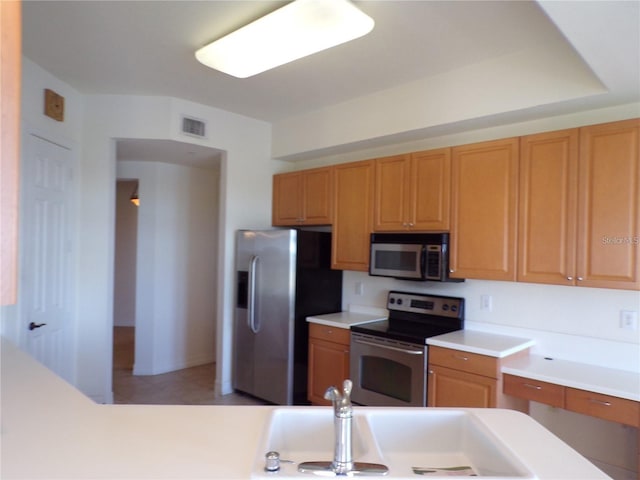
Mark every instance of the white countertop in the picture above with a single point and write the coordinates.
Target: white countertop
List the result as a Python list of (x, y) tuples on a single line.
[(50, 430), (345, 319), (483, 343), (593, 378)]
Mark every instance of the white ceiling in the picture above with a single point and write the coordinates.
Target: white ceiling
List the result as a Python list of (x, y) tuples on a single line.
[(147, 48)]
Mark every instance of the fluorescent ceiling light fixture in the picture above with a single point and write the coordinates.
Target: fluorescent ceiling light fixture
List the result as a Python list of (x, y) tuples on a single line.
[(298, 29)]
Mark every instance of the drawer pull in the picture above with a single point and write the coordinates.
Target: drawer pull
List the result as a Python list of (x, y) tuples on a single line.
[(600, 402), (461, 357), (535, 387)]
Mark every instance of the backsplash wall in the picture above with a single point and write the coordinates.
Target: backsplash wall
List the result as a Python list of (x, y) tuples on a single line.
[(574, 323)]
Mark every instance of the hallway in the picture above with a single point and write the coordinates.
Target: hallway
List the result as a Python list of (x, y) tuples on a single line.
[(191, 386)]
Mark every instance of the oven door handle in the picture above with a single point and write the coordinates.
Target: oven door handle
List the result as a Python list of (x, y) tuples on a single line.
[(388, 347)]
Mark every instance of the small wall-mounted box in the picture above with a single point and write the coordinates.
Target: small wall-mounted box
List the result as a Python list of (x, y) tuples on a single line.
[(53, 105)]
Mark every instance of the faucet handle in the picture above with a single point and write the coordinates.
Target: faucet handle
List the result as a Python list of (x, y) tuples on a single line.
[(347, 385), (332, 393)]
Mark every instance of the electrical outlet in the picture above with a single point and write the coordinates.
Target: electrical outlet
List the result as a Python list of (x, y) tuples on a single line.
[(486, 302), (629, 319), (359, 288)]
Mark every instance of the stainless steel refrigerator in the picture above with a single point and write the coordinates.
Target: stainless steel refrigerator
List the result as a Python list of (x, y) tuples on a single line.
[(282, 277)]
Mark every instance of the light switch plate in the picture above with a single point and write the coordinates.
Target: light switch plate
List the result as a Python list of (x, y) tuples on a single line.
[(629, 319)]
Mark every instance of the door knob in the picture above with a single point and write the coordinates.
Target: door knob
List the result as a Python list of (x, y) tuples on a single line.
[(33, 325)]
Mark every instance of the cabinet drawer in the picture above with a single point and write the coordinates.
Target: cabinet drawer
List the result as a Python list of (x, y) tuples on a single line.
[(534, 390), (331, 334), (606, 407), (465, 361)]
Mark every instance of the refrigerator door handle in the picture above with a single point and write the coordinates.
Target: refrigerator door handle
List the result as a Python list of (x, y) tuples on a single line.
[(251, 317)]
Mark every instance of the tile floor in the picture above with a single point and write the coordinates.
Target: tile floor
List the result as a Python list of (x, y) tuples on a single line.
[(191, 386)]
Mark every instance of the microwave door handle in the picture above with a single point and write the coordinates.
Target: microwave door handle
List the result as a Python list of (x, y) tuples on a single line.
[(423, 261)]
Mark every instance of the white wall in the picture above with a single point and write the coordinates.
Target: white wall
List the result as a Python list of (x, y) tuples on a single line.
[(69, 135), (92, 125), (176, 266), (244, 201)]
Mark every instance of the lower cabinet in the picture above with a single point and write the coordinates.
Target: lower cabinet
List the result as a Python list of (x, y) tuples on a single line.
[(328, 360), (607, 407), (541, 392), (462, 379), (456, 388)]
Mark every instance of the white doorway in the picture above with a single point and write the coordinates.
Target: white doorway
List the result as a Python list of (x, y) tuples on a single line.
[(45, 296), (124, 275), (170, 263)]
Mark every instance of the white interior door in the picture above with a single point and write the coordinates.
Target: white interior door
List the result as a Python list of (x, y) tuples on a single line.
[(46, 253)]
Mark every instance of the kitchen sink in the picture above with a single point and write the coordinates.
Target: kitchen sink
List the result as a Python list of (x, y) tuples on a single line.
[(432, 439), (411, 442)]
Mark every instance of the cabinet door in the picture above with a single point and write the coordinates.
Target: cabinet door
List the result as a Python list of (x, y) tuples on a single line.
[(453, 388), (609, 206), (10, 59), (317, 196), (484, 210), (287, 199), (392, 196), (547, 207), (328, 365), (430, 189), (353, 200)]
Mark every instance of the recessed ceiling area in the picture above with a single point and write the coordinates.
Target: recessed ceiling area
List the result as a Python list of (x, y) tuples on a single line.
[(167, 151), (483, 63), (147, 48)]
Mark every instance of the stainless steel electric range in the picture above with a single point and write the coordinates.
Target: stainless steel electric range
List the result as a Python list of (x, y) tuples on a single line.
[(389, 357)]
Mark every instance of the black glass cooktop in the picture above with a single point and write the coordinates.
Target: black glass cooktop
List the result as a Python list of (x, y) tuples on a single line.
[(414, 317), (401, 331)]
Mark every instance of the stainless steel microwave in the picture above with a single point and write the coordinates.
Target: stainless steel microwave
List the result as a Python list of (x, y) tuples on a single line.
[(411, 256)]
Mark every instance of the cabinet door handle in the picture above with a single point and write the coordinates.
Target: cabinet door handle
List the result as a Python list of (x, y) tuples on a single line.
[(535, 387), (569, 278), (33, 325)]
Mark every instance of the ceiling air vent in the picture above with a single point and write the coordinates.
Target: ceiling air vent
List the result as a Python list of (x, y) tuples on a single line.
[(192, 126)]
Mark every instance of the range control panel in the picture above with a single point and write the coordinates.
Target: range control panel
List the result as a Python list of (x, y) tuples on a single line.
[(433, 305)]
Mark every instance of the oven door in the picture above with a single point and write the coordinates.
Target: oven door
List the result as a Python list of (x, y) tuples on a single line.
[(386, 372)]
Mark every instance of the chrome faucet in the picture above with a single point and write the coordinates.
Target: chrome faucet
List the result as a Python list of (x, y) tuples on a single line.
[(343, 417), (342, 463)]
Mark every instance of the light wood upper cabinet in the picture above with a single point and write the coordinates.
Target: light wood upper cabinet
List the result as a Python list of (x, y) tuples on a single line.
[(412, 191), (303, 198), (579, 214), (484, 210), (353, 217), (10, 58), (547, 207), (609, 206)]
